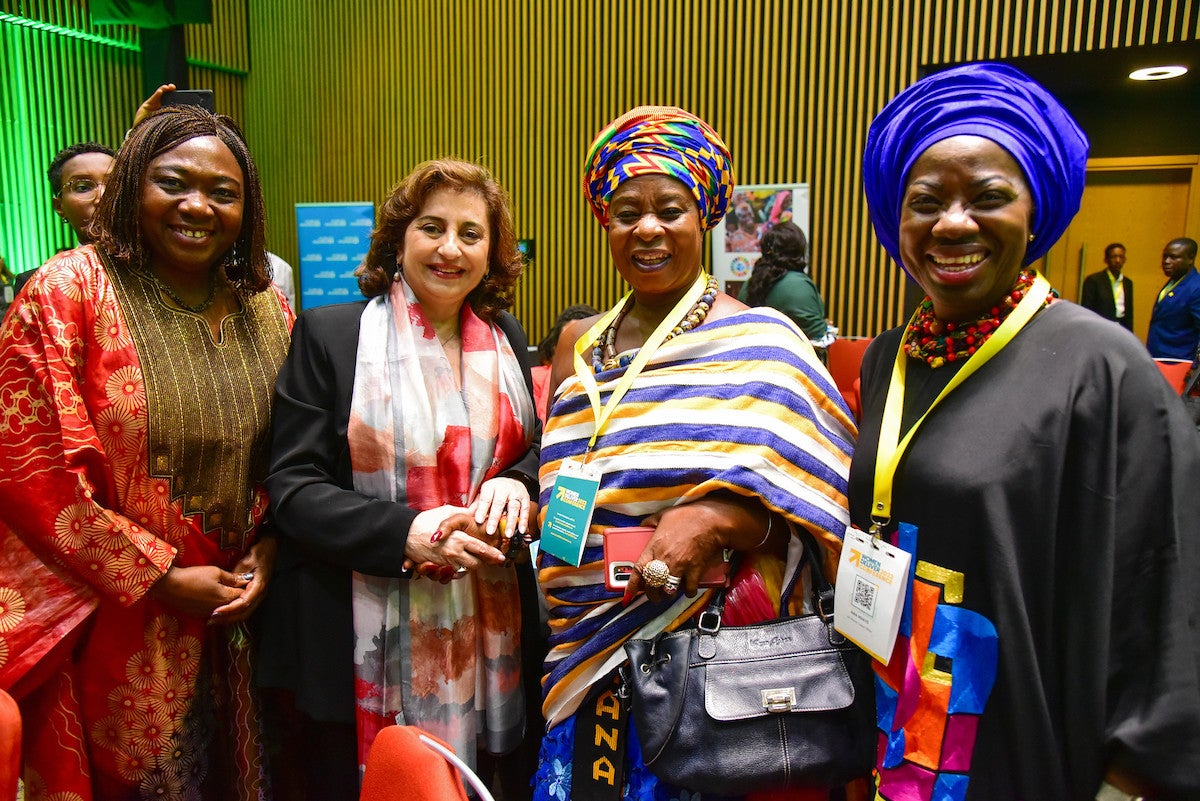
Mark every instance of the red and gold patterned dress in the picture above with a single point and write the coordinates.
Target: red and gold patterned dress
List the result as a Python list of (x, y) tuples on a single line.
[(131, 441)]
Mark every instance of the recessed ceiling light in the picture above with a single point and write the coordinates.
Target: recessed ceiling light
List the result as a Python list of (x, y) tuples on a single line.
[(1157, 73)]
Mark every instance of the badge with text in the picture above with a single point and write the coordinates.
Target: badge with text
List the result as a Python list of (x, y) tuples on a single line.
[(569, 513), (872, 580)]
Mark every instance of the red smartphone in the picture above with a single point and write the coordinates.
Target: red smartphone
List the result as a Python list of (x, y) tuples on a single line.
[(622, 547)]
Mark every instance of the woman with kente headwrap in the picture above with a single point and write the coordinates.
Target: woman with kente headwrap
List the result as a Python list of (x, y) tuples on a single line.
[(711, 421), (1047, 490)]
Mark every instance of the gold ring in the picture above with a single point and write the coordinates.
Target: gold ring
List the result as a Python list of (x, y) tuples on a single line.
[(656, 573)]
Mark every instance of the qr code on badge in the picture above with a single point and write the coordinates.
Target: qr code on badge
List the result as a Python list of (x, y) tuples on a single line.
[(864, 595)]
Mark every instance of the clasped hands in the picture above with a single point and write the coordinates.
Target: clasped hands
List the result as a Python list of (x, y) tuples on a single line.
[(448, 542), (222, 596)]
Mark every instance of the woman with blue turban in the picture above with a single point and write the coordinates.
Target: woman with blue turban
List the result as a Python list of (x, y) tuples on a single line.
[(1034, 464), (688, 412)]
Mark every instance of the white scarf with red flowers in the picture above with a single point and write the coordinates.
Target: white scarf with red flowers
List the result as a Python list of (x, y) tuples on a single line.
[(445, 658)]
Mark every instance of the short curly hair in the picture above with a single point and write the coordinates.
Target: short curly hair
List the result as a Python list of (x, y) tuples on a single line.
[(54, 174), (116, 226), (403, 205)]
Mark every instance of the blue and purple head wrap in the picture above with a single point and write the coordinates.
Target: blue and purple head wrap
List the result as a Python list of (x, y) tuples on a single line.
[(660, 140), (997, 102)]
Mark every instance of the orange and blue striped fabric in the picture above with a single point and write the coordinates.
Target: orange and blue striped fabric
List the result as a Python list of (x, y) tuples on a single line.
[(739, 404)]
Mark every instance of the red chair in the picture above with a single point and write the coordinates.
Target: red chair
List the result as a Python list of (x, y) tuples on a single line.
[(10, 746), (408, 764), (845, 359), (1175, 371)]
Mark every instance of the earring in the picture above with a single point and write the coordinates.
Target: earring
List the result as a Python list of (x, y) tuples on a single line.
[(1031, 237)]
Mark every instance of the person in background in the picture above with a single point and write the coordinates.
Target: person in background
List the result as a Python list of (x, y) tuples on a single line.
[(1175, 320), (283, 278), (1109, 293), (7, 290), (132, 514), (395, 416), (541, 373), (780, 280), (1045, 485), (702, 404), (77, 177)]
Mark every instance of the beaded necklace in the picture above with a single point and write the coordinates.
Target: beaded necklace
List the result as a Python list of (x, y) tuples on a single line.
[(604, 349), (198, 308), (937, 343)]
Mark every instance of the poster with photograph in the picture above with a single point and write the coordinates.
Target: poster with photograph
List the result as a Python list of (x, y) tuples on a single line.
[(334, 238), (753, 210)]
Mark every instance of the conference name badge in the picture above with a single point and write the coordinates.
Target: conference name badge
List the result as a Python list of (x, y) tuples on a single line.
[(872, 580), (569, 513)]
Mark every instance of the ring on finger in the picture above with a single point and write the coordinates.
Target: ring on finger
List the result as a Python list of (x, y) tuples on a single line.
[(655, 573), (672, 585), (460, 570)]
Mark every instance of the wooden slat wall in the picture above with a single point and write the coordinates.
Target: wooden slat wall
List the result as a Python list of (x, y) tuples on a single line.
[(344, 98), (58, 83), (64, 80), (339, 100)]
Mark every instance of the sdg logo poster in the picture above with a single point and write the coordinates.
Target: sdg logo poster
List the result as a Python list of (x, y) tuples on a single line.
[(334, 238)]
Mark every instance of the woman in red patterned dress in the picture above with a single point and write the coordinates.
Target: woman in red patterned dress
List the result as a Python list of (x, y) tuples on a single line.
[(137, 376)]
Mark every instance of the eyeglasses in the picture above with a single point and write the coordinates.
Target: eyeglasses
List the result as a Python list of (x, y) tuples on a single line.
[(82, 187)]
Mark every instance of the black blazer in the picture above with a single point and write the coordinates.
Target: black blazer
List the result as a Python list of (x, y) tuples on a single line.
[(1097, 296), (326, 530)]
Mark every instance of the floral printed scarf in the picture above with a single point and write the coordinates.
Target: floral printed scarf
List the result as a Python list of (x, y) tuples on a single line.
[(445, 658)]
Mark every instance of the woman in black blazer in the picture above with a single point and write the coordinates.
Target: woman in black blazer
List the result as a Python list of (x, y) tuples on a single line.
[(393, 415)]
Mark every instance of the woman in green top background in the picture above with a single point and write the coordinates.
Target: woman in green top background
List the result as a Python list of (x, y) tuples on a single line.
[(780, 280)]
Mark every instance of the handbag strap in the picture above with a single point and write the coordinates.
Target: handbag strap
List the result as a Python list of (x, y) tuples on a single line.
[(822, 590), (1193, 381)]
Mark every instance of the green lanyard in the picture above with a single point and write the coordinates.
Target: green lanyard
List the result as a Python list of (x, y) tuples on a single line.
[(891, 447), (588, 377)]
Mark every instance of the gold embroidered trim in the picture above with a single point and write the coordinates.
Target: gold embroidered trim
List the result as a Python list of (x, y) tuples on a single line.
[(208, 404)]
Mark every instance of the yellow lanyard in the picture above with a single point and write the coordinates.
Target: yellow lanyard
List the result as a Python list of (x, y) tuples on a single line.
[(891, 447), (588, 376), (1166, 290)]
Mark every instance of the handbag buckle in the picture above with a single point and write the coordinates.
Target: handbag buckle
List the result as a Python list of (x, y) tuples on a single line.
[(779, 699), (709, 622)]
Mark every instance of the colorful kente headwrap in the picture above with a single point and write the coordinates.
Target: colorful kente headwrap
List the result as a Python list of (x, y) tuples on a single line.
[(997, 102), (653, 140)]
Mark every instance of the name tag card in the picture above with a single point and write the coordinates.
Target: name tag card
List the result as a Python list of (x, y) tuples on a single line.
[(569, 513), (869, 598)]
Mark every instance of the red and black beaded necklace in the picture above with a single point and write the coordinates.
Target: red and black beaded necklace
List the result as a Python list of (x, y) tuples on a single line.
[(938, 343)]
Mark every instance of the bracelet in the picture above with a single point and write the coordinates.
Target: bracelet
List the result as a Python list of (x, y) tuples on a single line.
[(767, 536)]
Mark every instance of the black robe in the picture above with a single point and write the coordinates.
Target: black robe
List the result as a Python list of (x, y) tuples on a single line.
[(1059, 488)]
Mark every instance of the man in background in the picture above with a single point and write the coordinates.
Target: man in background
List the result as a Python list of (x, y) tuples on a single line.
[(1175, 321), (77, 175), (1108, 293)]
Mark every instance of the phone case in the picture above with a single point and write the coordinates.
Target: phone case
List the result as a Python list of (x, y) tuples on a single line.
[(622, 547)]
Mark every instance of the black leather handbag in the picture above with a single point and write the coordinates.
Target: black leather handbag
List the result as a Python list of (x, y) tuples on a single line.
[(735, 709)]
